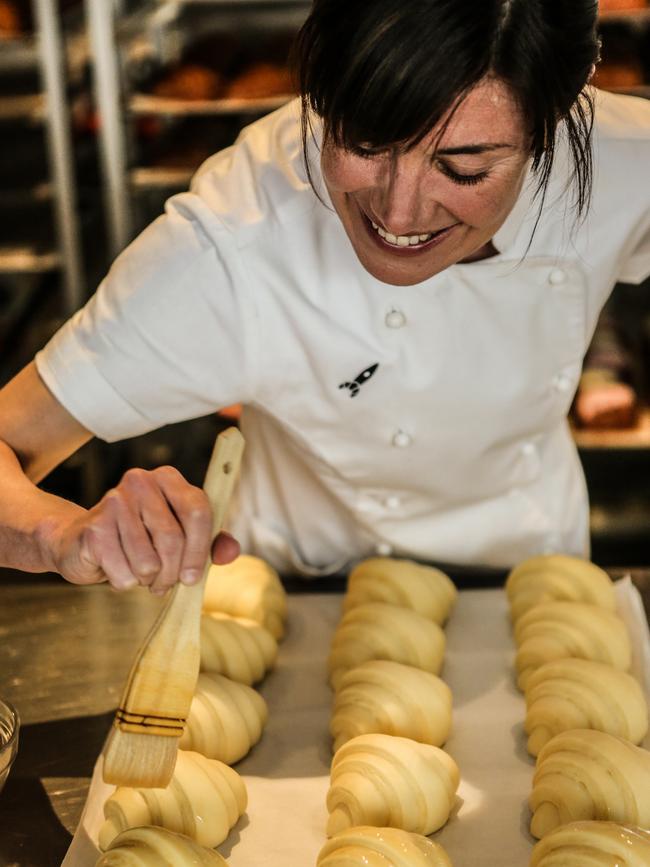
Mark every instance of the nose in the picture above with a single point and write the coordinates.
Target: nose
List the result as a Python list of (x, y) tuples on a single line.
[(400, 201)]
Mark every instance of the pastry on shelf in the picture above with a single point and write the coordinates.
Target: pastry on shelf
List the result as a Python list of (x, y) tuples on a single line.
[(556, 630), (366, 846), (581, 694), (596, 844), (236, 647), (226, 719), (248, 587), (388, 781), (260, 80), (621, 5), (587, 774), (377, 630), (558, 576), (10, 21), (153, 847), (401, 582), (189, 81), (204, 799), (393, 699)]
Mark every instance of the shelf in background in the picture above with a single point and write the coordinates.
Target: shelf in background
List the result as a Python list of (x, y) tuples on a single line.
[(29, 106), (146, 178), (27, 260), (635, 15), (147, 104), (637, 437)]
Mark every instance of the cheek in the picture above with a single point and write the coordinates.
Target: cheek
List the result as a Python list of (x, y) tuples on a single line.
[(345, 173), (479, 205)]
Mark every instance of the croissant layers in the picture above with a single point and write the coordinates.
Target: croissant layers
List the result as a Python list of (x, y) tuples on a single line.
[(378, 630), (558, 576), (587, 774), (593, 844), (381, 847), (581, 694), (404, 583), (394, 699), (236, 647), (389, 781), (248, 587), (226, 719), (153, 847), (204, 799)]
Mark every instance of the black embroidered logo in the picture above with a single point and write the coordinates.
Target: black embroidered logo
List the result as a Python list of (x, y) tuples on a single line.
[(356, 384)]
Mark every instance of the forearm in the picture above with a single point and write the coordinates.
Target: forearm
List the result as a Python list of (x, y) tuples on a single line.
[(28, 518)]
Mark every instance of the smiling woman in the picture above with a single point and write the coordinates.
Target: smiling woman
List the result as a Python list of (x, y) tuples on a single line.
[(397, 275)]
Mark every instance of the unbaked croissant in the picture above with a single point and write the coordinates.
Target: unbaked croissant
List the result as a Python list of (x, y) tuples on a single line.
[(204, 799), (393, 699), (401, 582), (384, 780), (226, 719), (236, 647), (248, 587), (377, 630), (365, 846), (593, 844), (581, 694), (153, 847), (585, 774), (557, 576), (556, 630)]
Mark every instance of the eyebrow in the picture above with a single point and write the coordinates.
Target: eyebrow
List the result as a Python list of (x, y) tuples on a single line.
[(473, 149)]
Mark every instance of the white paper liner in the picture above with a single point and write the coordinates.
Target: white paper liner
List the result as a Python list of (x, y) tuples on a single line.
[(286, 774)]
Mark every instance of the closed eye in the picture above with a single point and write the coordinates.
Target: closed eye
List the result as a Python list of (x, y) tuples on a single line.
[(458, 177)]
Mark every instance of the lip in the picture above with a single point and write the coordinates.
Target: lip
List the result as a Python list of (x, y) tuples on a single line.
[(413, 250)]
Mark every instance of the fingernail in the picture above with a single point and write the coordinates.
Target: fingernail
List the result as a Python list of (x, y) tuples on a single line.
[(190, 576), (128, 583)]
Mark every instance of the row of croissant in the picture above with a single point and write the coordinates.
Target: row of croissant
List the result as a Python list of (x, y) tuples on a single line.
[(585, 714), (391, 784)]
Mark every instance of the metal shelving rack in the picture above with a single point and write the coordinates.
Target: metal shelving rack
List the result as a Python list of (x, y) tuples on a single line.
[(44, 50), (151, 32)]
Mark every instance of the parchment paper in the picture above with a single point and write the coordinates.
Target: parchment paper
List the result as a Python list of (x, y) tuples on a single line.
[(286, 774)]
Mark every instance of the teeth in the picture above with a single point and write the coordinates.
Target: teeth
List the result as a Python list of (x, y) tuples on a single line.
[(400, 240)]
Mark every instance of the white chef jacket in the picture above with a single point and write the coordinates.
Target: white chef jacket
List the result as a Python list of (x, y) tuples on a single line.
[(426, 421)]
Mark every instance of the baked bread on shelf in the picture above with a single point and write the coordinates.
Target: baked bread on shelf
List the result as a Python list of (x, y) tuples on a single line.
[(248, 587), (226, 719), (389, 781), (593, 844), (558, 576), (393, 699), (381, 847), (586, 774), (236, 647), (204, 799), (153, 847), (401, 582), (557, 630), (378, 630), (581, 694)]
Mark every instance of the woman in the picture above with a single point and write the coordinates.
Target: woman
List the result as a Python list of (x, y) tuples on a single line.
[(399, 283)]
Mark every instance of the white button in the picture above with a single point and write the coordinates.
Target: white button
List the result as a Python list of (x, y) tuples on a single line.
[(395, 319), (562, 382), (528, 450), (393, 502), (384, 549), (401, 439), (557, 277)]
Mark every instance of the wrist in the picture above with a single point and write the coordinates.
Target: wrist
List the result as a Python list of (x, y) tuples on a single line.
[(50, 528)]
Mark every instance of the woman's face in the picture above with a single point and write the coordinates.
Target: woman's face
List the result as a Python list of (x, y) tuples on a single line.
[(410, 215)]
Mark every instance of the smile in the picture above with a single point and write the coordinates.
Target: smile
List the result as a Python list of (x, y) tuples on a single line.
[(406, 243)]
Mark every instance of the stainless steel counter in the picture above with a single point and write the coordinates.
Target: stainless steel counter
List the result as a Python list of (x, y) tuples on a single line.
[(64, 656)]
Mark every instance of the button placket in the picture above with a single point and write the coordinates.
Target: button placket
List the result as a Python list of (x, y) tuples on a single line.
[(395, 318)]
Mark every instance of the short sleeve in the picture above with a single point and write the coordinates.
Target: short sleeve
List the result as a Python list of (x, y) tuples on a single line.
[(169, 335)]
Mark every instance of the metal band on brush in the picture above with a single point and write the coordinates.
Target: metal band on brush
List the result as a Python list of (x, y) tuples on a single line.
[(163, 725)]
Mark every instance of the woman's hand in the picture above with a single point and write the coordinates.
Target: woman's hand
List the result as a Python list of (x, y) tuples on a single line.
[(153, 529)]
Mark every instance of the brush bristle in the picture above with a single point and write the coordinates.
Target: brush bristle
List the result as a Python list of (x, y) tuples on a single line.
[(139, 759)]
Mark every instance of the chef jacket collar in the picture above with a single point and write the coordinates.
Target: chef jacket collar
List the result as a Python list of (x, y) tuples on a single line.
[(519, 224)]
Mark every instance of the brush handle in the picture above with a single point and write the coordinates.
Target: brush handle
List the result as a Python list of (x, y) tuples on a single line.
[(162, 681)]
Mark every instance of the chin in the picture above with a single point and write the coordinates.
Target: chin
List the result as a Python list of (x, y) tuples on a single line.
[(400, 273)]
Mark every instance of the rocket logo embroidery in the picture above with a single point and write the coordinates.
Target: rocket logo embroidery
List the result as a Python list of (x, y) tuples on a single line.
[(363, 377)]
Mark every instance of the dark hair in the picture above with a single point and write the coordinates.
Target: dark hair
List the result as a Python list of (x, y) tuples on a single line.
[(384, 73)]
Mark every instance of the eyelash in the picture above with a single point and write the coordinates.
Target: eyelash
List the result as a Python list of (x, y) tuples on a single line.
[(467, 180)]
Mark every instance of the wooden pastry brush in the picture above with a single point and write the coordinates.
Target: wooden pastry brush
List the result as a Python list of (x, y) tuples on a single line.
[(141, 747)]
